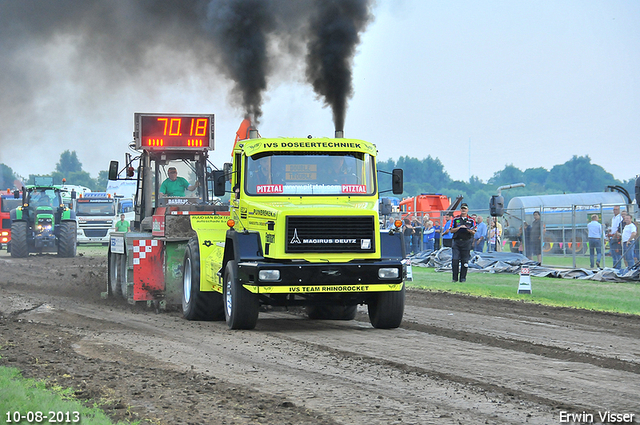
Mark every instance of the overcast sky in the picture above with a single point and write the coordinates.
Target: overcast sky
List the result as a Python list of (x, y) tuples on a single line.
[(479, 85)]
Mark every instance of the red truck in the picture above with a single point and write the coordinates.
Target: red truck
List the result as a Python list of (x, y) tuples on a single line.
[(8, 201)]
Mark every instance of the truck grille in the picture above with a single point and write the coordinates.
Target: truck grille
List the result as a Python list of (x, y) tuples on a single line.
[(95, 233), (330, 234)]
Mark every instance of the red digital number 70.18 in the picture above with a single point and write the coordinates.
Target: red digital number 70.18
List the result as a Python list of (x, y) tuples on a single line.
[(172, 126)]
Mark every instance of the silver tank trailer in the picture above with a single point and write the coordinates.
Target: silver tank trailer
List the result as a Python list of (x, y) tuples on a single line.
[(557, 213)]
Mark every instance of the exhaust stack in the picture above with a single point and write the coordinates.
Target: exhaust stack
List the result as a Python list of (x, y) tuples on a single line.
[(339, 134), (253, 133)]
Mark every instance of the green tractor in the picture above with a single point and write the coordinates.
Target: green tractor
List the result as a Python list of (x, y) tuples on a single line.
[(43, 223)]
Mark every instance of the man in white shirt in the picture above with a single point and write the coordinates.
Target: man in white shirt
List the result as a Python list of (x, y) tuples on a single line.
[(614, 237), (629, 234), (595, 239)]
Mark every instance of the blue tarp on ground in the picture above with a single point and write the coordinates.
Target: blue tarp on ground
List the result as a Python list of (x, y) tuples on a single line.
[(509, 262)]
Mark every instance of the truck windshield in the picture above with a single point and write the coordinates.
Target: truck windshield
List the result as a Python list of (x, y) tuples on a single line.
[(310, 174), (91, 207)]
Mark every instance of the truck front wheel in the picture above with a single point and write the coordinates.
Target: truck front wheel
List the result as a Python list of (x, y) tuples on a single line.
[(197, 305), (240, 306), (386, 309)]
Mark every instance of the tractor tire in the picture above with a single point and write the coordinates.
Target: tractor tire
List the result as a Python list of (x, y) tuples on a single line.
[(386, 309), (197, 305), (113, 288), (67, 239), (331, 312), (122, 277), (115, 275), (19, 244), (241, 307)]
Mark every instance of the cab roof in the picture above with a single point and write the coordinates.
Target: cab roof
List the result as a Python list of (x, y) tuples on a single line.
[(324, 145)]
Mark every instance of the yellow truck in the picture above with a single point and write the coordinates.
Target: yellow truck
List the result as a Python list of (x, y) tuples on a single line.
[(301, 229)]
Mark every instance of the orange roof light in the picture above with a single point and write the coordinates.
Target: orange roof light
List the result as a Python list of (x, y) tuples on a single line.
[(231, 223)]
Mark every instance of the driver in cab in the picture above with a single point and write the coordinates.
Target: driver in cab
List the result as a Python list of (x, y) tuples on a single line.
[(174, 185)]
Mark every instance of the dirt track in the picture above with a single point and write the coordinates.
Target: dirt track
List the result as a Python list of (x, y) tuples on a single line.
[(455, 360)]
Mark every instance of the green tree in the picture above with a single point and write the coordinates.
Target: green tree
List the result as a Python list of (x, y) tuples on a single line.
[(102, 180), (7, 177), (69, 163), (578, 175), (509, 175)]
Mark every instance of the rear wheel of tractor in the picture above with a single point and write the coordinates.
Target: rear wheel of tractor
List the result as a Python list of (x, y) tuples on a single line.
[(332, 312), (198, 305), (240, 306), (112, 275), (122, 276), (19, 247), (386, 309), (67, 239)]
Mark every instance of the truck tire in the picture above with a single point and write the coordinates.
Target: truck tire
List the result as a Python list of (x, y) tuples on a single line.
[(240, 306), (19, 247), (197, 305), (386, 309), (332, 312), (67, 239)]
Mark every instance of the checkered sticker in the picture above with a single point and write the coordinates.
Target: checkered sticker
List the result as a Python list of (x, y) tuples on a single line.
[(141, 247)]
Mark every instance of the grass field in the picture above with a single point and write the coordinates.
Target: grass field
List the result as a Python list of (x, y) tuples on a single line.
[(26, 397), (619, 297)]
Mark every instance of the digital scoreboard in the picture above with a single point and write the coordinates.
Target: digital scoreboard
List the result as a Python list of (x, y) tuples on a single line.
[(174, 131)]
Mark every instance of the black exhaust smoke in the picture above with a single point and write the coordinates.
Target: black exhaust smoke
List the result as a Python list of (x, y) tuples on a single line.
[(153, 44), (240, 29), (334, 34)]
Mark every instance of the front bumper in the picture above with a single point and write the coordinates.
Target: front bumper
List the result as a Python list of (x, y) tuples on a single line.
[(308, 278)]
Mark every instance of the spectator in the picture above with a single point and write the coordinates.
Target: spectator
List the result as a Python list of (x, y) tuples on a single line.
[(437, 233), (408, 235), (495, 234), (447, 236), (629, 233), (615, 232), (595, 239), (536, 236), (429, 236), (416, 236), (481, 235)]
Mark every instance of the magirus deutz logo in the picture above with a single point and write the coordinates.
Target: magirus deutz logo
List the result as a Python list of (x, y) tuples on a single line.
[(364, 243)]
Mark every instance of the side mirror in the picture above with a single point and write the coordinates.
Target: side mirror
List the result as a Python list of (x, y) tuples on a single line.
[(16, 194), (73, 194), (397, 177), (228, 170), (113, 170), (218, 183)]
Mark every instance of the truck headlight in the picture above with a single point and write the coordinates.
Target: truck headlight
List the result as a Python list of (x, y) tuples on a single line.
[(388, 273), (269, 275)]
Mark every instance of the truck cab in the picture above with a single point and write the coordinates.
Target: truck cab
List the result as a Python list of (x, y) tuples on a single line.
[(97, 213), (8, 201), (305, 231)]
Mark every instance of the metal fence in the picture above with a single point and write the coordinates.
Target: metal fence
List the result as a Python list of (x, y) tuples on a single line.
[(564, 233)]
